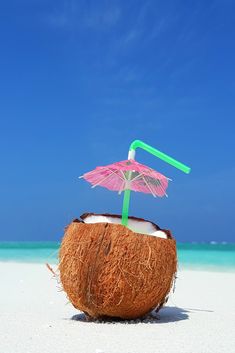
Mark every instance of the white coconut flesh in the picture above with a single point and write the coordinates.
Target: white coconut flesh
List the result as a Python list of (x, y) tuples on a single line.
[(137, 226)]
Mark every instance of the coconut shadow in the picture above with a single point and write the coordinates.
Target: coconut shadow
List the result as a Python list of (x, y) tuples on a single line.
[(166, 314)]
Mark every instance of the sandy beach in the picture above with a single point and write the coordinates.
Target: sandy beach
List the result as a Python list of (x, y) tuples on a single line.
[(36, 317)]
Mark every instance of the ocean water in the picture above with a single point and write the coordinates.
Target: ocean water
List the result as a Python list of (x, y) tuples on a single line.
[(203, 256)]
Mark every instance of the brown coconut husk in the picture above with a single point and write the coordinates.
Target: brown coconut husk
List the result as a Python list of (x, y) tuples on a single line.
[(108, 270)]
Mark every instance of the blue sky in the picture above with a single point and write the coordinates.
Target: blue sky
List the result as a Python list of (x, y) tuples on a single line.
[(81, 79)]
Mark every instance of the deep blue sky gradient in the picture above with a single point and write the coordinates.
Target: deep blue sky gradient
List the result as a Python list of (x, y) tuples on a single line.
[(81, 79)]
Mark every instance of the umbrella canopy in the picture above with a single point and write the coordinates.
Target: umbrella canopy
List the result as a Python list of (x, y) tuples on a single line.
[(128, 175)]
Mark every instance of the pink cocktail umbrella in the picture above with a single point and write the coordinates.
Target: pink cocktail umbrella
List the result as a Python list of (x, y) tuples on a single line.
[(130, 175)]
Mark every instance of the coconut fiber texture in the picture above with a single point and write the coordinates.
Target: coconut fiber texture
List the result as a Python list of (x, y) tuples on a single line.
[(108, 270)]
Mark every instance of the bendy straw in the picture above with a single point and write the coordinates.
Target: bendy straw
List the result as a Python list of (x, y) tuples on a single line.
[(131, 155)]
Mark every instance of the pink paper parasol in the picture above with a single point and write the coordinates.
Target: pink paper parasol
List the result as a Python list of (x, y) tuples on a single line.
[(129, 174)]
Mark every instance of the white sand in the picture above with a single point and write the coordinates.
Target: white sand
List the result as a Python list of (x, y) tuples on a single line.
[(199, 317)]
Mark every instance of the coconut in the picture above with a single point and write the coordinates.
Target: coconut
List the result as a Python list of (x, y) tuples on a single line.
[(107, 269)]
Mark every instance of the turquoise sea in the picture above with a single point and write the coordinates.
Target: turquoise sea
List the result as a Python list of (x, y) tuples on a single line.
[(207, 256)]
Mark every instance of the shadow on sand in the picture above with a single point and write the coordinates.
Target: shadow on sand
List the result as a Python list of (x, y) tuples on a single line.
[(165, 315)]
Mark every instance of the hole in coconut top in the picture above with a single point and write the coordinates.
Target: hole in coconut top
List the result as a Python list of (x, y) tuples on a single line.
[(137, 226)]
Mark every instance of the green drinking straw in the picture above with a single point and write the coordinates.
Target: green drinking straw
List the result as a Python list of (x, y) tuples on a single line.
[(135, 144)]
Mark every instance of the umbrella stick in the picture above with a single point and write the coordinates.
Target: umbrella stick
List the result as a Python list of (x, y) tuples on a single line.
[(138, 143)]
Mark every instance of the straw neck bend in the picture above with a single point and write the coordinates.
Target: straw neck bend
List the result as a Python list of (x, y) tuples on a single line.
[(140, 144)]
